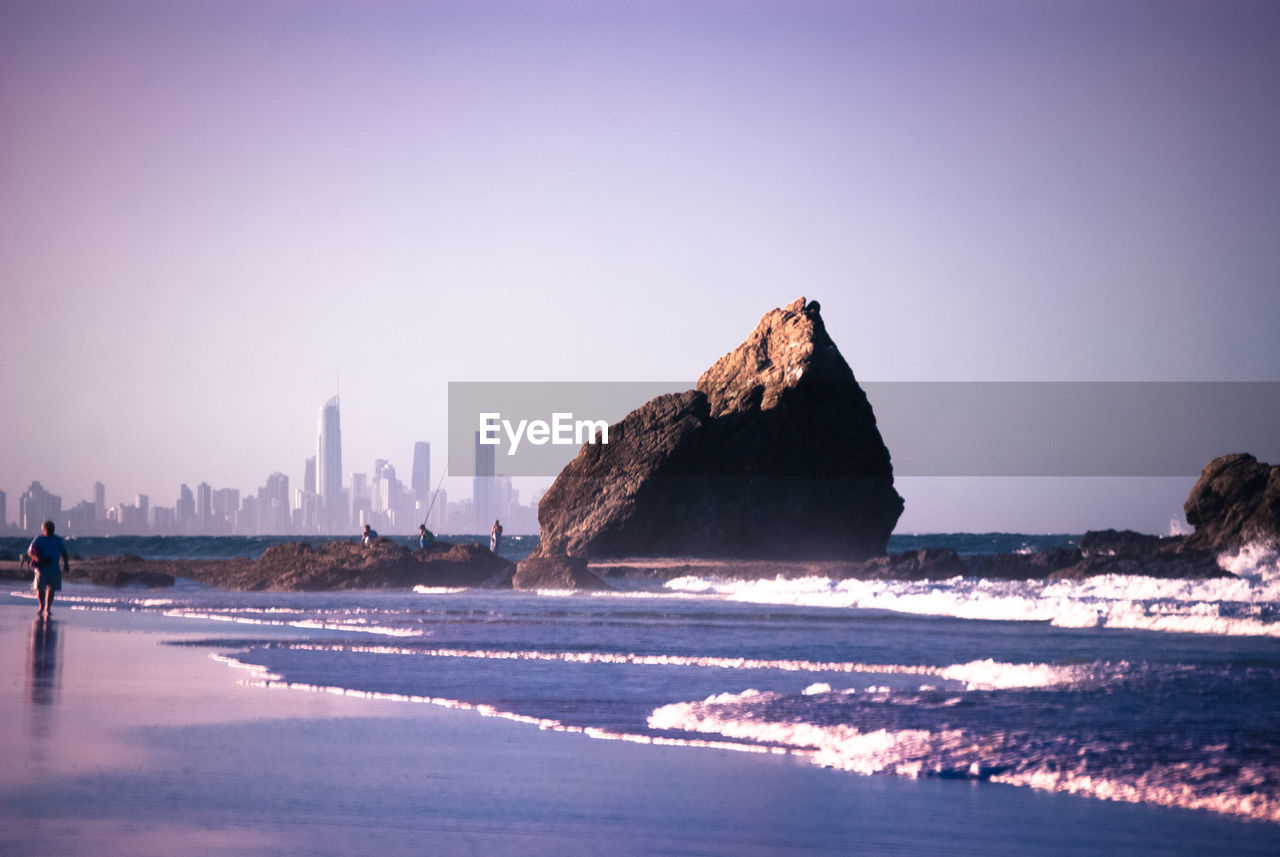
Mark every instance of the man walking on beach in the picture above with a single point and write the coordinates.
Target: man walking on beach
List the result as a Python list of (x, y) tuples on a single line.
[(46, 552)]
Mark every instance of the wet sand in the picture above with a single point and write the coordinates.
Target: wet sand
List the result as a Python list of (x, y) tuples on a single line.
[(117, 743)]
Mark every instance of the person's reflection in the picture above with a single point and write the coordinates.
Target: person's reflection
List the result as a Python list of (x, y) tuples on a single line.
[(42, 662)]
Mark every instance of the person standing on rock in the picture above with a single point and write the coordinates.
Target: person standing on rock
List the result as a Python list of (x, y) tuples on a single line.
[(425, 536), (495, 536), (46, 552), (369, 535)]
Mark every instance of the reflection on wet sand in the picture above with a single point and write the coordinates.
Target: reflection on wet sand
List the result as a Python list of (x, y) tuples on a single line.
[(43, 673)]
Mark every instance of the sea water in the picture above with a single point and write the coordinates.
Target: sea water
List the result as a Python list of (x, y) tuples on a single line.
[(1118, 688)]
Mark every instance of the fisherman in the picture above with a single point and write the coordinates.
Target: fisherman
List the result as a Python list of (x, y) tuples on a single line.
[(425, 536), (369, 535), (495, 536)]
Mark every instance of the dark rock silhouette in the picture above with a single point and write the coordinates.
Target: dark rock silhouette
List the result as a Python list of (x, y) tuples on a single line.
[(775, 454), (555, 572), (126, 570), (297, 566), (924, 564), (1235, 501)]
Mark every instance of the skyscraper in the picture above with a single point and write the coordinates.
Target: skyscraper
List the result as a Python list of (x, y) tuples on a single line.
[(185, 510), (420, 476), (36, 505), (204, 508), (273, 512), (329, 468), (482, 493)]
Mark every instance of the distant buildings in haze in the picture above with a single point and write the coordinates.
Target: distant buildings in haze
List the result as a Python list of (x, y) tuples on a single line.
[(333, 505), (320, 506)]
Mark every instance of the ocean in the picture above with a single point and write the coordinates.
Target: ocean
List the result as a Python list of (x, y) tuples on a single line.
[(1141, 690)]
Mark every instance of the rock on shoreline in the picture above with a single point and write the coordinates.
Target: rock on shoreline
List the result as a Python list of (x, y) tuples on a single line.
[(296, 566), (300, 567), (1235, 501), (1100, 553), (776, 453)]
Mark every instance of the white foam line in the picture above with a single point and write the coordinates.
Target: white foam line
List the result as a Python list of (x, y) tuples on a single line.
[(1249, 806), (1113, 601), (263, 678), (76, 601), (976, 675), (310, 624), (915, 753), (259, 673), (632, 659)]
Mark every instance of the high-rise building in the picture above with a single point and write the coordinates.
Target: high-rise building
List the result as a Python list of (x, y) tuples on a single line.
[(164, 520), (438, 515), (273, 505), (385, 487), (420, 476), (100, 501), (226, 508), (204, 507), (309, 476), (36, 506), (4, 519), (329, 468), (361, 499), (482, 487), (185, 510)]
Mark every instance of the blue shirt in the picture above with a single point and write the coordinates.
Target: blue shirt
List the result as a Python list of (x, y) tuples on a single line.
[(50, 548)]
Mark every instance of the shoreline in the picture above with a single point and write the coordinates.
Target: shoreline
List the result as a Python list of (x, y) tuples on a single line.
[(336, 566), (126, 745)]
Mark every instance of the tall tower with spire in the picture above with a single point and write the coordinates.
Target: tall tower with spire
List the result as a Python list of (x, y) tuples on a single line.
[(333, 517)]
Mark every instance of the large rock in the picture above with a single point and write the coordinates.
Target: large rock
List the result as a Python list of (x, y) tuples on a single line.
[(775, 454), (1235, 501)]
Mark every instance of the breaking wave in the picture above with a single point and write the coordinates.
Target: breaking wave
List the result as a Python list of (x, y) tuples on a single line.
[(1245, 605), (1031, 725)]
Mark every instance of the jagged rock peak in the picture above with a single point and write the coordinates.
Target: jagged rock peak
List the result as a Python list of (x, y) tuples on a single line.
[(789, 344), (1235, 501)]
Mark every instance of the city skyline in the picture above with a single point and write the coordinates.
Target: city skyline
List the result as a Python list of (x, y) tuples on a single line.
[(214, 209), (222, 511), (322, 504)]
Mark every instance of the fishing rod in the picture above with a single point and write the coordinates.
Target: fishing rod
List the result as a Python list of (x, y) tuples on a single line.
[(432, 505)]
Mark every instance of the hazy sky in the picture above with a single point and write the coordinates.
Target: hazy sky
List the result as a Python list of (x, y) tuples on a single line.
[(213, 210)]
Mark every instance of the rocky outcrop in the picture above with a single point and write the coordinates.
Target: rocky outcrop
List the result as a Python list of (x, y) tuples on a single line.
[(297, 566), (1235, 501), (775, 454), (349, 565), (1099, 553), (127, 570), (923, 564), (555, 572)]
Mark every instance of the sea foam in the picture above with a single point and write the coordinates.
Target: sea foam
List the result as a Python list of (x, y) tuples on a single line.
[(1246, 605), (924, 733)]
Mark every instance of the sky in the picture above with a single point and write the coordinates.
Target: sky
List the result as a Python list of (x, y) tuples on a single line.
[(219, 214)]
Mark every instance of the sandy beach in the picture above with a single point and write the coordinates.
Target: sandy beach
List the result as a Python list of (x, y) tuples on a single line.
[(119, 743)]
